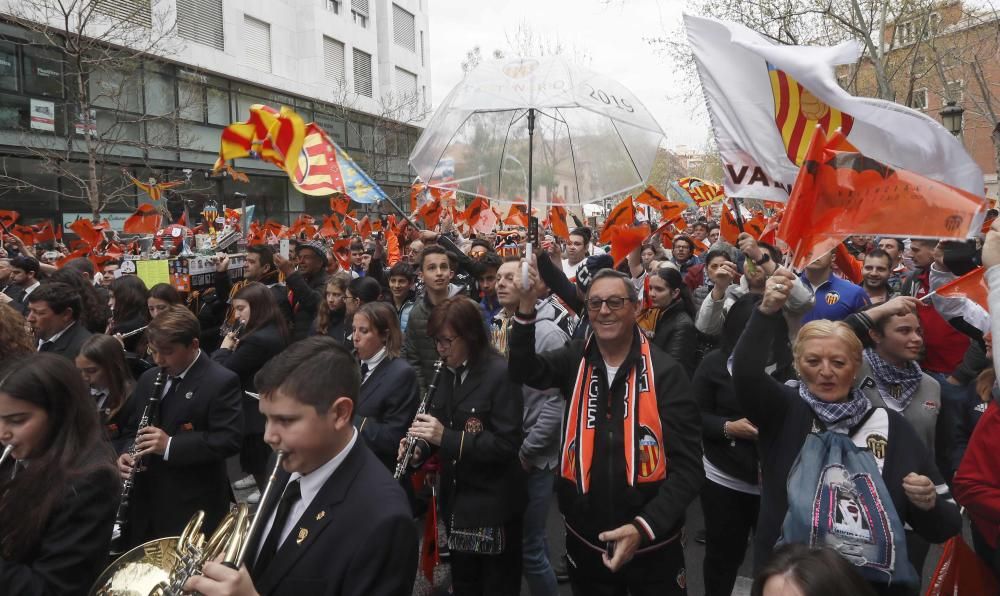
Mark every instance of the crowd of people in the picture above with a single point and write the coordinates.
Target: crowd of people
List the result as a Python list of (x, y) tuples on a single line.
[(836, 418)]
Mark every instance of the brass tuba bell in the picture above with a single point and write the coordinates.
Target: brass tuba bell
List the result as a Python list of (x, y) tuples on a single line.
[(161, 567)]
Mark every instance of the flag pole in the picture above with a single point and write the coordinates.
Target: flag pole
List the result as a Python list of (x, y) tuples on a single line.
[(738, 214)]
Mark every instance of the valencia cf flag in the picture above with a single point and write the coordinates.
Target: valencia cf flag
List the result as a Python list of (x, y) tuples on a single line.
[(430, 213), (557, 219), (339, 203), (517, 216), (87, 231), (474, 210), (729, 228), (840, 192), (365, 227), (623, 214), (970, 286), (625, 239), (145, 220), (7, 218), (331, 227)]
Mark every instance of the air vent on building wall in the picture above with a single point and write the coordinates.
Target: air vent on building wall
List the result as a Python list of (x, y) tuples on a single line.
[(257, 43), (403, 28), (362, 73), (137, 12), (200, 21)]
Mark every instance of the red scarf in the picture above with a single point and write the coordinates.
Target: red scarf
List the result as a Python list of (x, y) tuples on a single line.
[(645, 460)]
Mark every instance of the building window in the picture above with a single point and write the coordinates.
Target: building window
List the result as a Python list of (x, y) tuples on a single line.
[(359, 10), (42, 72), (333, 6), (905, 33), (257, 40), (159, 91), (136, 12), (406, 83), (403, 28), (200, 21), (8, 66), (362, 73), (954, 91), (333, 61), (919, 100)]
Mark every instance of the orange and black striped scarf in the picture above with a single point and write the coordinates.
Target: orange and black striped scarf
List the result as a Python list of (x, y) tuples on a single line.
[(645, 458)]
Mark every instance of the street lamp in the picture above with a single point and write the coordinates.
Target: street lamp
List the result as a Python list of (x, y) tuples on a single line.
[(951, 118)]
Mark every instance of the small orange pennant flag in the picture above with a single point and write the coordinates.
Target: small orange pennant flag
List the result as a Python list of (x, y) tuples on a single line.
[(623, 214), (76, 254), (365, 227), (342, 251), (7, 218), (971, 286), (653, 198), (474, 210), (625, 239), (557, 219), (43, 232), (87, 231), (729, 230), (430, 213), (145, 220), (517, 216), (340, 203), (331, 227)]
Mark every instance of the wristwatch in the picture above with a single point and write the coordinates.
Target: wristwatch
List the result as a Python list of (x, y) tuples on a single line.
[(763, 259)]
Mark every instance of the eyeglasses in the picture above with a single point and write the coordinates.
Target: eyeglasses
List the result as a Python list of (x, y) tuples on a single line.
[(444, 342), (614, 303)]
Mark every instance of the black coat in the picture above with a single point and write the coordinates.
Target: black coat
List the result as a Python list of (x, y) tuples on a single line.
[(204, 417), (481, 478), (358, 537), (132, 343), (386, 407), (676, 335), (74, 546), (306, 295), (68, 344), (251, 353)]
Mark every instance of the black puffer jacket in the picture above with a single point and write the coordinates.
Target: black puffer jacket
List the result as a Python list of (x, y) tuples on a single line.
[(676, 335)]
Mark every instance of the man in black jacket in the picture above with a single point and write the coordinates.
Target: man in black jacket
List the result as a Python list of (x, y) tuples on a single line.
[(259, 267), (307, 282), (630, 460), (54, 314)]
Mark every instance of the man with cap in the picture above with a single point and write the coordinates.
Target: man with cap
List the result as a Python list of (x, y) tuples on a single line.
[(306, 280)]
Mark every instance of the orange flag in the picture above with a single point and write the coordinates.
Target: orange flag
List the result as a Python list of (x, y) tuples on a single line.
[(44, 232), (145, 220), (25, 233), (557, 219), (342, 251), (839, 192), (339, 203), (729, 230), (517, 216), (474, 210), (430, 213), (305, 224), (331, 227), (850, 267), (87, 231), (971, 286), (365, 227), (673, 210), (7, 218), (76, 254), (653, 198), (755, 225), (416, 190), (392, 251), (622, 214), (625, 239)]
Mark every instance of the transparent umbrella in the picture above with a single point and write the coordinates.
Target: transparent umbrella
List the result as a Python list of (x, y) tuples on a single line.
[(535, 128)]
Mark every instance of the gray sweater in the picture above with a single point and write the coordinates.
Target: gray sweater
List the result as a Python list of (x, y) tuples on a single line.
[(922, 411)]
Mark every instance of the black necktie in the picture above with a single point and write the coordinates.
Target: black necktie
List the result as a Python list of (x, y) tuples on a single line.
[(364, 371), (46, 346), (458, 376), (288, 499)]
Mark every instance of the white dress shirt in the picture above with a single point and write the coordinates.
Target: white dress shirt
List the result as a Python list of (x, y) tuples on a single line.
[(166, 388), (372, 363)]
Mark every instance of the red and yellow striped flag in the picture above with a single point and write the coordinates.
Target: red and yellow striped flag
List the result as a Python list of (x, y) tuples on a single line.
[(797, 112)]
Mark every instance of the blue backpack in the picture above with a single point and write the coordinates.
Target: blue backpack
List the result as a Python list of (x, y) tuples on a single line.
[(838, 499)]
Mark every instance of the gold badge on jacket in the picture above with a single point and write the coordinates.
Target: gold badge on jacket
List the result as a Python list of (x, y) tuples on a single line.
[(303, 533), (473, 425), (877, 444)]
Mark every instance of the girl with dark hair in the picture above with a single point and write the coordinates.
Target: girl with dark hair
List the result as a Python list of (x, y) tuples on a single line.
[(160, 297), (389, 390), (669, 322), (332, 319), (361, 290), (474, 421), (798, 569), (264, 335), (102, 364), (59, 489), (128, 309)]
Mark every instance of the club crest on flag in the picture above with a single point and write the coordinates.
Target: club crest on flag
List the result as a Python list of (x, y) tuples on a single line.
[(649, 452), (797, 112)]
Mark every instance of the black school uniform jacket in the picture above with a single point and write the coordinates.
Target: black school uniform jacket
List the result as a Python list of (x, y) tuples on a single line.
[(68, 344), (482, 483), (386, 407), (251, 354), (356, 538), (74, 545), (204, 416)]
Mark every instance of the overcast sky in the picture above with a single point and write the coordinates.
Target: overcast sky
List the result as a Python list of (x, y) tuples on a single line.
[(613, 33)]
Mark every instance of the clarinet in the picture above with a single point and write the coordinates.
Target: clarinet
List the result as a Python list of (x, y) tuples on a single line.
[(150, 417), (411, 441)]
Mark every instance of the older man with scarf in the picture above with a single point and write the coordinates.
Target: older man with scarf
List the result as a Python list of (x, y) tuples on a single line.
[(630, 456)]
